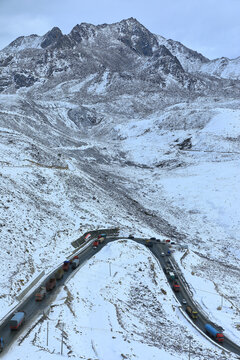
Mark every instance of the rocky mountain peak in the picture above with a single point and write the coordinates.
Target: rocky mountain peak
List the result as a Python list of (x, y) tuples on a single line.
[(82, 32), (137, 37), (123, 55), (54, 38)]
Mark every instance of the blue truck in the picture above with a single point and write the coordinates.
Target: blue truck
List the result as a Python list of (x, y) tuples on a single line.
[(17, 320), (215, 334)]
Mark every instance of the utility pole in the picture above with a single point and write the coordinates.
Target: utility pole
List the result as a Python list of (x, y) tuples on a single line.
[(62, 340), (189, 349), (47, 331), (110, 270)]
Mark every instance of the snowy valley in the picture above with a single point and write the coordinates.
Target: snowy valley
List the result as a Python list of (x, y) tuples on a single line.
[(113, 126)]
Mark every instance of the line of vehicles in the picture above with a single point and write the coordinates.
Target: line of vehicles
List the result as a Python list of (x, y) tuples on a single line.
[(211, 331), (19, 317), (100, 239)]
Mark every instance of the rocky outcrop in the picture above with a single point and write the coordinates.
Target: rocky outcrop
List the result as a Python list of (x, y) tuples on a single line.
[(22, 80)]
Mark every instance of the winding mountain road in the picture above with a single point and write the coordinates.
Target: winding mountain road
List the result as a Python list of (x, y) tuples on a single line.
[(33, 309)]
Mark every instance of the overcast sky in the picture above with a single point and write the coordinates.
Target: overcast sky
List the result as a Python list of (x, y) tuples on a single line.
[(211, 27)]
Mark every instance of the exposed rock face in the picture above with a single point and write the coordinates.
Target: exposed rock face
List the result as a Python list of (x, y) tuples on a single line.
[(137, 37), (53, 37), (22, 80), (112, 60)]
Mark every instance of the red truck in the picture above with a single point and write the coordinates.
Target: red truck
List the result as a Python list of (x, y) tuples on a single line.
[(51, 284), (176, 286), (41, 293), (17, 320), (95, 244), (87, 237)]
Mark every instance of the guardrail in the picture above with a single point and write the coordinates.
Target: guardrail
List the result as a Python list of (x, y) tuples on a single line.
[(29, 293), (30, 286), (35, 284), (199, 330), (81, 240), (190, 294), (174, 265)]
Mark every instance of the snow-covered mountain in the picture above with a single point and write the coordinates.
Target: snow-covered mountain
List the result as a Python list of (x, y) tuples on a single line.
[(112, 125), (194, 62), (223, 67), (125, 56)]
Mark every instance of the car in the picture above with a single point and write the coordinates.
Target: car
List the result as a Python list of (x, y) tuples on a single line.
[(152, 238), (158, 240), (162, 254), (130, 236), (184, 301)]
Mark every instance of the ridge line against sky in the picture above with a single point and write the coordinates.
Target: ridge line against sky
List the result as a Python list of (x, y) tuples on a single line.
[(210, 27)]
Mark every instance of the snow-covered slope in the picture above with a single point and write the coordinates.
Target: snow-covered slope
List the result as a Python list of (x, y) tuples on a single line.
[(223, 67), (130, 313), (107, 127), (190, 60), (194, 62)]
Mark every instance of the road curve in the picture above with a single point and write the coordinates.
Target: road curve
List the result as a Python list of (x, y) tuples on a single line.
[(33, 308)]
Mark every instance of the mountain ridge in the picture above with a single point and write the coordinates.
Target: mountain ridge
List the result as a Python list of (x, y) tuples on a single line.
[(145, 43), (130, 58)]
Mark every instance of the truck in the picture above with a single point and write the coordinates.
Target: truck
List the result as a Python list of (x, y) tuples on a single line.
[(101, 238), (41, 293), (171, 275), (75, 263), (66, 265), (17, 320), (176, 286), (102, 235), (59, 274), (51, 284), (149, 243), (95, 244), (215, 334), (87, 237), (191, 312)]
